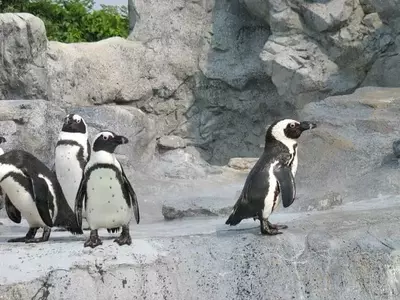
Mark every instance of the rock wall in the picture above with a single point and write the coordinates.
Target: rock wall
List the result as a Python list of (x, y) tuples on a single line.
[(212, 72), (197, 82)]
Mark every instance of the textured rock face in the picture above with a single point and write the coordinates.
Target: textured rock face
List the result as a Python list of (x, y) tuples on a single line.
[(215, 75), (23, 43), (351, 152), (326, 53), (184, 77)]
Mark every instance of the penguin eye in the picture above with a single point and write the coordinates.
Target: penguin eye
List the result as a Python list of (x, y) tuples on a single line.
[(292, 125), (105, 137), (78, 121)]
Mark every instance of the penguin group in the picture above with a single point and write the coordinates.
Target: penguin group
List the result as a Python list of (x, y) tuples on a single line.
[(88, 183)]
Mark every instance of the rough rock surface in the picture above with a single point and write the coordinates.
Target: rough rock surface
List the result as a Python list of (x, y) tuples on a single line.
[(23, 64), (171, 142), (242, 163), (351, 152), (328, 50), (214, 74), (347, 253)]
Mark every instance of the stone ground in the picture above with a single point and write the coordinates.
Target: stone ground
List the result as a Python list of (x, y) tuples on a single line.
[(348, 252)]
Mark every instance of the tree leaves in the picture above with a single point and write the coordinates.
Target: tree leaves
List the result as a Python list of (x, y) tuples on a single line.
[(72, 21)]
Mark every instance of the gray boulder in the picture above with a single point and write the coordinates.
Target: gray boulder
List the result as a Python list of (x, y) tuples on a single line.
[(109, 71), (350, 153), (31, 125), (329, 52), (171, 142), (23, 65)]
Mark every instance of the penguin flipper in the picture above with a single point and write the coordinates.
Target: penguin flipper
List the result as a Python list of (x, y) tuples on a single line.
[(89, 150), (287, 186), (80, 197), (133, 198), (13, 213), (41, 196)]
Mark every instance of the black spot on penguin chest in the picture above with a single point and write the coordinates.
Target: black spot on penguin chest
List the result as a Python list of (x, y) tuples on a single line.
[(109, 180)]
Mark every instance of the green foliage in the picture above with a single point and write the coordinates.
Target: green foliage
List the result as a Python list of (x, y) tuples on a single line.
[(73, 21)]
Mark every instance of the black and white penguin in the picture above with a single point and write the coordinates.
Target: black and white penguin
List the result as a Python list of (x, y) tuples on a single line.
[(271, 176), (106, 192), (71, 155), (2, 140), (33, 192), (2, 195)]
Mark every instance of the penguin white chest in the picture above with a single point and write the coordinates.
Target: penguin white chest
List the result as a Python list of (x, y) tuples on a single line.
[(106, 206), (23, 201), (272, 198), (294, 164), (68, 170)]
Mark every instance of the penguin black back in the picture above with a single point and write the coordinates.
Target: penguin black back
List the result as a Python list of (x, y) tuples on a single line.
[(32, 165)]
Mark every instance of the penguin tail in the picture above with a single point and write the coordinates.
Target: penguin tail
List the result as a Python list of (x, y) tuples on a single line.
[(74, 230), (233, 219), (69, 223)]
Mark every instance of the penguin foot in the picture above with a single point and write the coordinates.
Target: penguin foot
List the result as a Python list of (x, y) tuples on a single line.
[(34, 240), (266, 229), (124, 238), (18, 240), (93, 240), (276, 226), (29, 235), (44, 238)]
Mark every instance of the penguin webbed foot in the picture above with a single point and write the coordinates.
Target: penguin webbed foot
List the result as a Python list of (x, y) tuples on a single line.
[(276, 226), (29, 236), (125, 237), (93, 240), (18, 240), (45, 237), (266, 229)]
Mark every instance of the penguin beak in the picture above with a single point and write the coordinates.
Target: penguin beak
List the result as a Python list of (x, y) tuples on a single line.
[(119, 139), (306, 125), (67, 123)]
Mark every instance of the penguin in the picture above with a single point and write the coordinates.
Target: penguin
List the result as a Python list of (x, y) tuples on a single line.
[(2, 195), (105, 192), (33, 192), (2, 140), (71, 155), (272, 176)]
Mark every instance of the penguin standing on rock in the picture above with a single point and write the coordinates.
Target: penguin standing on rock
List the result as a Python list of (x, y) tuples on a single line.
[(272, 175), (2, 195), (33, 192), (106, 192), (71, 155)]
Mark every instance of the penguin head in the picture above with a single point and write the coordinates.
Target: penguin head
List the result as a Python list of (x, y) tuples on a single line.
[(108, 141), (288, 129), (74, 123), (2, 139)]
